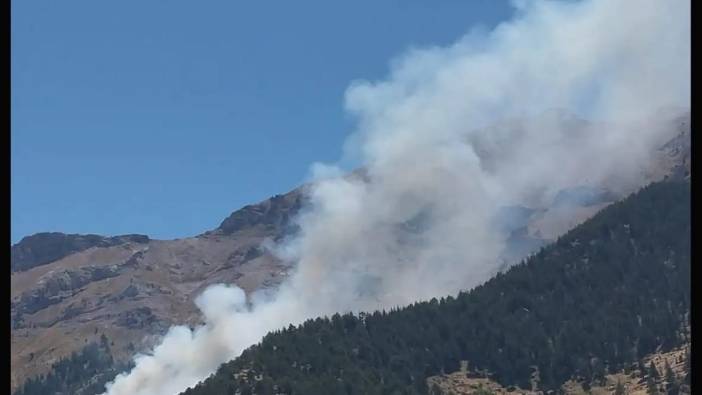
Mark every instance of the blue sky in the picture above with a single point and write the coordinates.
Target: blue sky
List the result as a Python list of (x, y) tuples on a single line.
[(162, 117)]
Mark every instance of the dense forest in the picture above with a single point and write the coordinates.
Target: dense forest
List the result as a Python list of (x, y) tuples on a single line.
[(83, 373), (604, 295), (607, 293)]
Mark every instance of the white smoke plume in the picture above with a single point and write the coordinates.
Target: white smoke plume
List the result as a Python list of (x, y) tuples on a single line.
[(419, 222)]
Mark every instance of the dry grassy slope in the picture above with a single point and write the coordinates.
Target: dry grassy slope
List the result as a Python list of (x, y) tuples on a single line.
[(134, 291), (465, 382)]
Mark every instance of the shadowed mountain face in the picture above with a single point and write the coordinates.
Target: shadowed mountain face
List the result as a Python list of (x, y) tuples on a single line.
[(42, 248), (274, 213), (68, 290)]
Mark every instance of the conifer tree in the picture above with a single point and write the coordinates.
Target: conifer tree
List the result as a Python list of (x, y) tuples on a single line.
[(651, 388), (669, 375), (652, 371), (652, 379), (620, 388), (687, 367)]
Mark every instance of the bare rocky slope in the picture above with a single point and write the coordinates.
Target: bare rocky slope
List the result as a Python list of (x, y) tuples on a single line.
[(69, 290)]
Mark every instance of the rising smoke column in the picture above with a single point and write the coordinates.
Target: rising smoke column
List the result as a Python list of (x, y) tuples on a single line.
[(418, 223)]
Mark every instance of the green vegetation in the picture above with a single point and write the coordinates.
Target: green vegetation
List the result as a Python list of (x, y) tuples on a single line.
[(83, 373), (600, 298)]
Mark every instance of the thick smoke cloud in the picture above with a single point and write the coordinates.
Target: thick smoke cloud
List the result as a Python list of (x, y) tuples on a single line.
[(450, 137)]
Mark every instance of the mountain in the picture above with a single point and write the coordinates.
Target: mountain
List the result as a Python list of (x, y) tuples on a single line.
[(606, 295), (43, 248), (67, 291)]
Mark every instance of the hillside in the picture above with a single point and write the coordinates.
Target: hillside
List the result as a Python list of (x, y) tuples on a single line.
[(69, 290), (604, 296), (131, 289), (671, 376)]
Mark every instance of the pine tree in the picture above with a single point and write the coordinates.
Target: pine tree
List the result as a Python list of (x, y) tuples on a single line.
[(620, 388), (653, 372), (586, 385), (651, 388), (641, 366), (652, 378), (669, 375), (598, 375), (672, 386), (104, 342), (686, 380)]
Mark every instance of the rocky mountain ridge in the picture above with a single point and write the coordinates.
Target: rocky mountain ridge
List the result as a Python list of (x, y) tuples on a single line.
[(42, 248)]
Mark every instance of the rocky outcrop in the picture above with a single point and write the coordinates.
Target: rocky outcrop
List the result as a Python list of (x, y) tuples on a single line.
[(42, 248), (57, 286), (244, 255), (678, 150), (140, 318), (275, 212)]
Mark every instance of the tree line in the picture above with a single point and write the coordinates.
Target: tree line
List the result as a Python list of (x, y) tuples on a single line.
[(607, 293)]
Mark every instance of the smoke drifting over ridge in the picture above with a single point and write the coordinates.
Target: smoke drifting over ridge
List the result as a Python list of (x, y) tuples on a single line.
[(419, 222)]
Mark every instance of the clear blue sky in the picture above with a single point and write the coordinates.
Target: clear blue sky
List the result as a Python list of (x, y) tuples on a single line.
[(162, 117)]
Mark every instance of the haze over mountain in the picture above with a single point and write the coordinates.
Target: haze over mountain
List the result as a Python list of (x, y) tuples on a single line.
[(69, 288), (607, 296), (466, 168)]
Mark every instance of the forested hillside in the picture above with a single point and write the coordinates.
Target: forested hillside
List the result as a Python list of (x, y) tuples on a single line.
[(603, 296), (83, 373)]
